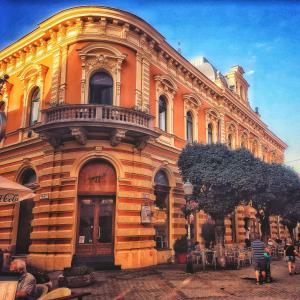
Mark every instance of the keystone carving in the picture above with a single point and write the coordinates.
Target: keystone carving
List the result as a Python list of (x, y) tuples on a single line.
[(117, 136)]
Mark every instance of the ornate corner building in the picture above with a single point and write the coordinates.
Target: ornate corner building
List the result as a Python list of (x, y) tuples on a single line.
[(97, 109)]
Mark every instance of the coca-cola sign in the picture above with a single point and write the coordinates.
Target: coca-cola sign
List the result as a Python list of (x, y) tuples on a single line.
[(9, 198)]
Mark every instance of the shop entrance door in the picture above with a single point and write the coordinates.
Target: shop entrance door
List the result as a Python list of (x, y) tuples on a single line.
[(96, 221)]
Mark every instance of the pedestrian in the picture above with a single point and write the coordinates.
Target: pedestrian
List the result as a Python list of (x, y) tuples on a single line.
[(27, 282), (258, 259), (290, 254)]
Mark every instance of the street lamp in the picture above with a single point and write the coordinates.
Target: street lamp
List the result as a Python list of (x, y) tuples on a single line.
[(188, 194)]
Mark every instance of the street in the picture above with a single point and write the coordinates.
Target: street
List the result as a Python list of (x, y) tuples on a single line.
[(171, 282)]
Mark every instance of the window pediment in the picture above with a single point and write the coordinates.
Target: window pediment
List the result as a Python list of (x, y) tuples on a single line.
[(35, 73), (166, 83)]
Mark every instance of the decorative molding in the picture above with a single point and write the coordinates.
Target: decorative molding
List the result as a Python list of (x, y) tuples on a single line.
[(54, 140), (80, 134), (96, 57), (117, 136)]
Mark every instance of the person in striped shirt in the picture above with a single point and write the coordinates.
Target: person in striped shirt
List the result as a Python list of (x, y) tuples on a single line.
[(258, 258)]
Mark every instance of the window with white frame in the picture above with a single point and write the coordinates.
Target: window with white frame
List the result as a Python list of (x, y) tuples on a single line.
[(189, 127), (34, 106), (162, 113)]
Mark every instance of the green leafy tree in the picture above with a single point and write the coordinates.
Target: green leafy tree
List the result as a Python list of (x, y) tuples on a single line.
[(206, 167), (282, 184)]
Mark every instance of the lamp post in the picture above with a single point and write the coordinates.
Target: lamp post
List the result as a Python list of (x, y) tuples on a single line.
[(188, 194)]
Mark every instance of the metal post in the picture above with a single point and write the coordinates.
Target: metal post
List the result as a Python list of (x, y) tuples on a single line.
[(189, 259)]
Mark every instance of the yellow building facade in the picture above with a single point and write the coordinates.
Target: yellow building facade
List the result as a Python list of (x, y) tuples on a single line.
[(97, 108)]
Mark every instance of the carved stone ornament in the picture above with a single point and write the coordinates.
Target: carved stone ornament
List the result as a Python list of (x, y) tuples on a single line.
[(142, 142), (117, 136), (80, 134), (54, 140)]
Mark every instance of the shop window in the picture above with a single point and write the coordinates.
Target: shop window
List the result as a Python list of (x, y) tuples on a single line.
[(162, 122), (189, 127), (161, 192), (101, 88), (209, 134), (34, 106)]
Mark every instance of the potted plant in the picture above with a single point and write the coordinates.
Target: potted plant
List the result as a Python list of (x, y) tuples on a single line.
[(181, 249), (76, 277)]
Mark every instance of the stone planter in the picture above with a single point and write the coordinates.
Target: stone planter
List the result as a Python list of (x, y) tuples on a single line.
[(75, 281)]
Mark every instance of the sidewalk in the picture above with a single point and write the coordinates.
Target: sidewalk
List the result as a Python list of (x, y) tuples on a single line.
[(171, 282)]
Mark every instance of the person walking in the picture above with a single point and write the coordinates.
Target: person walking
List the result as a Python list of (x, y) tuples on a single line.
[(258, 259), (290, 254)]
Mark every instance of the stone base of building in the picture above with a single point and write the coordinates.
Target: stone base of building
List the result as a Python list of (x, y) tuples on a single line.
[(49, 262)]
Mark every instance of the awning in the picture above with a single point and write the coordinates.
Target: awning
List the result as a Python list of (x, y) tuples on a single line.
[(12, 192)]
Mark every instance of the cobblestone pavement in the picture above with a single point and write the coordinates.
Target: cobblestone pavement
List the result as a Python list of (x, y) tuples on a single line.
[(171, 282)]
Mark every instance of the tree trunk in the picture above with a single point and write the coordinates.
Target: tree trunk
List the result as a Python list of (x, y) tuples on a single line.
[(220, 231), (265, 226)]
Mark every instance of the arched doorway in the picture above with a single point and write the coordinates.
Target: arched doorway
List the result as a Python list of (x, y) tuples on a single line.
[(97, 184), (28, 179)]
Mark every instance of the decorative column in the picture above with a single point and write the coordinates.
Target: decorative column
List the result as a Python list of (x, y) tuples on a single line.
[(63, 72)]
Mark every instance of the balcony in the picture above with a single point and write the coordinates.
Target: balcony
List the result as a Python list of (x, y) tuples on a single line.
[(90, 121)]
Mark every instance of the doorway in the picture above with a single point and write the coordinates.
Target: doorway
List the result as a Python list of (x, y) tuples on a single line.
[(96, 219), (96, 209)]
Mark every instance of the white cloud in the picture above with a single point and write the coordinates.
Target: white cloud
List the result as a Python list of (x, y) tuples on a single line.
[(250, 72)]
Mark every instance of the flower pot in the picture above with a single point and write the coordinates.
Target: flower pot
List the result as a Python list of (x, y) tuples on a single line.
[(181, 258), (75, 281)]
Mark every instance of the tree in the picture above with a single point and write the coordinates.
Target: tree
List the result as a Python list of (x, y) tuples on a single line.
[(223, 178), (282, 184), (206, 166), (291, 214)]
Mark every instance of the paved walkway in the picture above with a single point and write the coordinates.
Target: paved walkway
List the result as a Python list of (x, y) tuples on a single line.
[(171, 282)]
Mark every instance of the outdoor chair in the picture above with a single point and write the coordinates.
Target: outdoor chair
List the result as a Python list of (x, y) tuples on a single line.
[(57, 293), (40, 291)]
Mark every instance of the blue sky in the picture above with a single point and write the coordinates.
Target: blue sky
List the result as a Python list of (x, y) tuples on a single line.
[(261, 36)]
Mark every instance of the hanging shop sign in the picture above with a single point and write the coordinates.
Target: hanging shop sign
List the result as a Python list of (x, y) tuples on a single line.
[(145, 214)]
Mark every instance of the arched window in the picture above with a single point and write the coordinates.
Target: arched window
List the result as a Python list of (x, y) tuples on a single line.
[(161, 192), (162, 121), (34, 106), (209, 133), (101, 88), (230, 141), (189, 127)]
